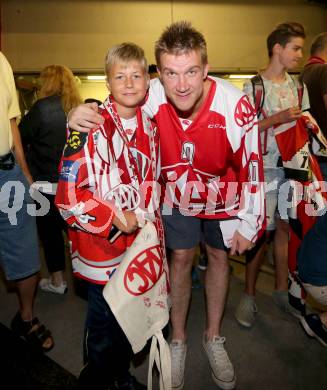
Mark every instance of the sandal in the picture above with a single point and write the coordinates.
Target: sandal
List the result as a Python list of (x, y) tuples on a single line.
[(33, 332)]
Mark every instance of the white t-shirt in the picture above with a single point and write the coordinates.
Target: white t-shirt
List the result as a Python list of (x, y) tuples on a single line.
[(278, 97), (129, 126)]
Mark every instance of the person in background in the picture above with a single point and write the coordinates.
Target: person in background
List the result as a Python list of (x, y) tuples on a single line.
[(19, 254), (280, 105), (43, 133), (314, 75), (153, 71), (203, 258), (312, 272)]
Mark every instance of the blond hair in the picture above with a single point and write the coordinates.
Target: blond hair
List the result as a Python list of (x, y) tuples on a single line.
[(59, 80), (125, 52), (180, 38)]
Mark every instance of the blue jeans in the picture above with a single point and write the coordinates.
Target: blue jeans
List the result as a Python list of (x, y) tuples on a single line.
[(19, 251), (108, 351)]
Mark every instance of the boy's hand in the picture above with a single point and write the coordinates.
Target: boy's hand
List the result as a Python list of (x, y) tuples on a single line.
[(240, 244), (126, 221), (84, 117), (289, 115)]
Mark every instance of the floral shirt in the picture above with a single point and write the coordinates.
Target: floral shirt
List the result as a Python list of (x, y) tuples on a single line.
[(278, 97)]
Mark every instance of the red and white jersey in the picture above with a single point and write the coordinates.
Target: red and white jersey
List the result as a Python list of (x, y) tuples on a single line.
[(213, 169), (297, 142), (96, 180)]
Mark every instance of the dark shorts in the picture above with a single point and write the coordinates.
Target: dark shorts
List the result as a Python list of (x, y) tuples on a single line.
[(19, 251), (185, 232)]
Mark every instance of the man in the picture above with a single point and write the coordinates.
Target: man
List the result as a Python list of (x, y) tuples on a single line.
[(19, 255), (312, 271), (315, 77), (279, 105), (209, 149)]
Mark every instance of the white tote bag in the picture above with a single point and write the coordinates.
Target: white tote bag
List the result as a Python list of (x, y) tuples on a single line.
[(137, 294)]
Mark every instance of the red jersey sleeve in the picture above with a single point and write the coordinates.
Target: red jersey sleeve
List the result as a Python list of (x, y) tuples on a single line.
[(76, 196)]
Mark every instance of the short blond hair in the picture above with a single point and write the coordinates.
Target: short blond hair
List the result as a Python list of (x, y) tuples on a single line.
[(125, 52), (179, 38)]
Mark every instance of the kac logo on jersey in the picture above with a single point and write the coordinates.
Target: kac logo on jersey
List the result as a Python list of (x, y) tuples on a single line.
[(125, 196), (188, 151), (244, 112), (144, 271)]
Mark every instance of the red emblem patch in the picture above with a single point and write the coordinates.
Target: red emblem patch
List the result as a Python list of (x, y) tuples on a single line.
[(244, 112), (144, 271)]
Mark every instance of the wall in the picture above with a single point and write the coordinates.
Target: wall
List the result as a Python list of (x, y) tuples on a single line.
[(78, 33)]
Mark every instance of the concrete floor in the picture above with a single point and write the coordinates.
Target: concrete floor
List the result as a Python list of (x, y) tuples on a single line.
[(274, 354)]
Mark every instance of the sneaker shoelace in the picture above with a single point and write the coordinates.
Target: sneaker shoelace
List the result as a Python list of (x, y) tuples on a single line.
[(250, 305), (177, 350), (219, 354)]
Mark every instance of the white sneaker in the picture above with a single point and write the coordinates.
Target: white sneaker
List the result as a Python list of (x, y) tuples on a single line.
[(46, 285), (178, 354), (203, 262), (246, 311), (221, 367)]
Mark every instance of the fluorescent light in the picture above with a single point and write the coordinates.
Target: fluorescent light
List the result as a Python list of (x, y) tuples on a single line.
[(240, 76), (96, 77)]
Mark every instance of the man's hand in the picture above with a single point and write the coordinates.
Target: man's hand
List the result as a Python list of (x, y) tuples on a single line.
[(289, 115), (126, 221), (84, 117), (240, 244)]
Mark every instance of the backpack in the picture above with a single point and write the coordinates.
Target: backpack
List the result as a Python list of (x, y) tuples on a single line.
[(259, 92)]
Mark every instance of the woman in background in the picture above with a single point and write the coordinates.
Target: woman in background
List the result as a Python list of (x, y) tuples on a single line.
[(43, 132)]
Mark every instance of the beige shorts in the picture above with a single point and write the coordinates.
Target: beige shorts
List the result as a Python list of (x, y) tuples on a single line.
[(319, 293)]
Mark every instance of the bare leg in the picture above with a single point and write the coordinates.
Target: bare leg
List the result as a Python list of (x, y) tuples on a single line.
[(252, 271), (216, 286), (181, 283), (281, 255), (57, 278), (26, 291)]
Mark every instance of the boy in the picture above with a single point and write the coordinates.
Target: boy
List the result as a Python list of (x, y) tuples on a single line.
[(99, 190), (280, 105)]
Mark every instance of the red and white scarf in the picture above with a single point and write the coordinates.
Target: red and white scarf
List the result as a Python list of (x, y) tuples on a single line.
[(138, 292)]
